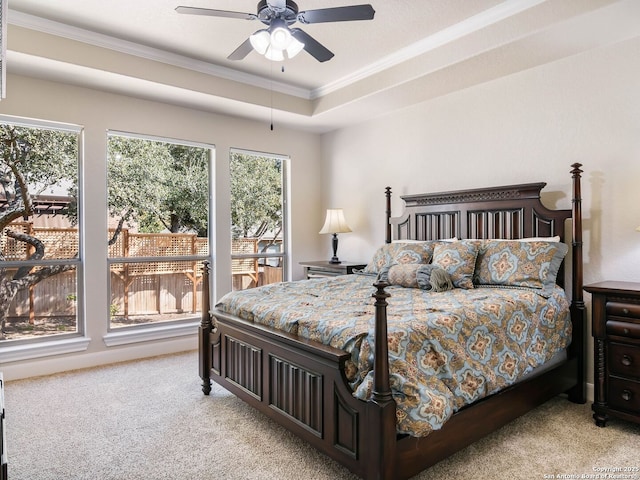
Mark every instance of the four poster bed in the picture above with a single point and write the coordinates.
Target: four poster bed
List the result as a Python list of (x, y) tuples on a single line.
[(361, 391)]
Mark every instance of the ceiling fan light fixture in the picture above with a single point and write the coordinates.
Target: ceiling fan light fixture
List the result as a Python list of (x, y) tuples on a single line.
[(278, 38), (260, 41)]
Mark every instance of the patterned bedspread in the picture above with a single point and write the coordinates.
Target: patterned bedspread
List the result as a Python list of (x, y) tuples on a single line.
[(446, 349)]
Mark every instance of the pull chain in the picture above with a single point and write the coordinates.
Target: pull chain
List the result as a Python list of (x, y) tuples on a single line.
[(271, 95)]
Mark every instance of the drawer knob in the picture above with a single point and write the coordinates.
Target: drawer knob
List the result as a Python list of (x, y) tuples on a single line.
[(626, 360), (625, 331), (626, 395), (625, 311)]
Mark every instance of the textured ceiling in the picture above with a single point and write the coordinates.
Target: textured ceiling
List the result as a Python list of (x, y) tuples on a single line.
[(412, 51)]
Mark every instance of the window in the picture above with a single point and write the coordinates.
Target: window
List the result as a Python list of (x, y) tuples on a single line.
[(158, 217), (258, 218), (40, 242)]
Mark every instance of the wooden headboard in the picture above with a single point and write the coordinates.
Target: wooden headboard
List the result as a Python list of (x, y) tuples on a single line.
[(509, 212)]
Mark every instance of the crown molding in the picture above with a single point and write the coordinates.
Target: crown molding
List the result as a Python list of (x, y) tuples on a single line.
[(450, 34), (51, 27)]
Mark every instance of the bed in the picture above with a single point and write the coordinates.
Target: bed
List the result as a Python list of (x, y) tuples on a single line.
[(298, 374)]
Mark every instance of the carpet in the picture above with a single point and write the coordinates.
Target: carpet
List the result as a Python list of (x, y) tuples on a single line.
[(149, 420)]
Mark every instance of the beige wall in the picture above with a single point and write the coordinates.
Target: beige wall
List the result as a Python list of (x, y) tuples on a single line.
[(526, 127), (98, 112)]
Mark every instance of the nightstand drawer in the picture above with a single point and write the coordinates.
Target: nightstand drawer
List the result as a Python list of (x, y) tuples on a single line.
[(618, 309), (623, 329), (624, 360), (624, 394)]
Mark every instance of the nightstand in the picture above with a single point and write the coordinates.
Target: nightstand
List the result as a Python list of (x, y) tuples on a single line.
[(615, 326), (328, 269)]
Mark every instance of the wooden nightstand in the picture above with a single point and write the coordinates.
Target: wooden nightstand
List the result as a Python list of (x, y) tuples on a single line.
[(615, 326), (328, 269)]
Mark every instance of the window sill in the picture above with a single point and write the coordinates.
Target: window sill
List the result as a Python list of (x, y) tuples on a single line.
[(137, 335), (30, 351)]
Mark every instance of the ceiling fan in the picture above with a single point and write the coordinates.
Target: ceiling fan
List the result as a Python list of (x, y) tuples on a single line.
[(276, 40)]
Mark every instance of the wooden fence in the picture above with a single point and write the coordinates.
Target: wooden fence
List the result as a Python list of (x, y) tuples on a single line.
[(145, 288)]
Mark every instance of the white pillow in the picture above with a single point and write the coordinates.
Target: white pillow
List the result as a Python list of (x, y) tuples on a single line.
[(540, 239), (528, 239), (453, 239)]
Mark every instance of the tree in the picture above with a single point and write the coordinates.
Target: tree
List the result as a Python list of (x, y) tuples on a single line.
[(32, 161), (256, 195), (158, 186)]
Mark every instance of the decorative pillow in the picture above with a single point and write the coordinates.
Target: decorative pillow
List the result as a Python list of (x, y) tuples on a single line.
[(392, 253), (458, 259), (519, 264), (417, 275)]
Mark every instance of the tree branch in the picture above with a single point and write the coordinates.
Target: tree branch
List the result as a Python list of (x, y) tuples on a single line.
[(37, 255), (115, 235), (24, 190), (42, 274)]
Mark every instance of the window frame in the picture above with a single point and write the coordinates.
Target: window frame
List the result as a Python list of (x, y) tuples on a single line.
[(170, 328), (45, 345), (285, 255)]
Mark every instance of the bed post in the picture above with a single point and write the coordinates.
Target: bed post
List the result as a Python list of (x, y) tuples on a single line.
[(381, 411), (578, 313), (203, 332), (387, 192)]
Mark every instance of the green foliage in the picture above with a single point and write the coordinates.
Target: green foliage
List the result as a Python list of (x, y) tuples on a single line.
[(158, 185), (41, 161), (45, 157), (256, 195), (155, 185)]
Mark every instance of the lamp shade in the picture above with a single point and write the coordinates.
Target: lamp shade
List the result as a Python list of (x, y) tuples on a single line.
[(280, 37), (274, 54), (260, 41), (335, 222), (294, 48)]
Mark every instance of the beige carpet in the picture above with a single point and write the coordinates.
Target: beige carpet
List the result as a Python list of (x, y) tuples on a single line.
[(148, 420)]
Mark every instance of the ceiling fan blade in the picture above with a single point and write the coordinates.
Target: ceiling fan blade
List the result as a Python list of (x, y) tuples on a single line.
[(242, 51), (311, 45), (337, 14), (216, 13)]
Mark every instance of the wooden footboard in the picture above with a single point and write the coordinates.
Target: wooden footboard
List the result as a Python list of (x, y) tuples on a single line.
[(298, 383)]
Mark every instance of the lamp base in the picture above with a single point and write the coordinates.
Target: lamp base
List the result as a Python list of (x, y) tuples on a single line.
[(334, 244)]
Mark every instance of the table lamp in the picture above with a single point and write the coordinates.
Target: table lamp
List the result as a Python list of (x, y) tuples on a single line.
[(335, 224)]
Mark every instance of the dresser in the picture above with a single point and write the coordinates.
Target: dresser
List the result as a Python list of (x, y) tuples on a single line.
[(328, 269), (616, 333)]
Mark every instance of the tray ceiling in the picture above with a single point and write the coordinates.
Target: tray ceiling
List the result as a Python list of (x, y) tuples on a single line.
[(412, 51)]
